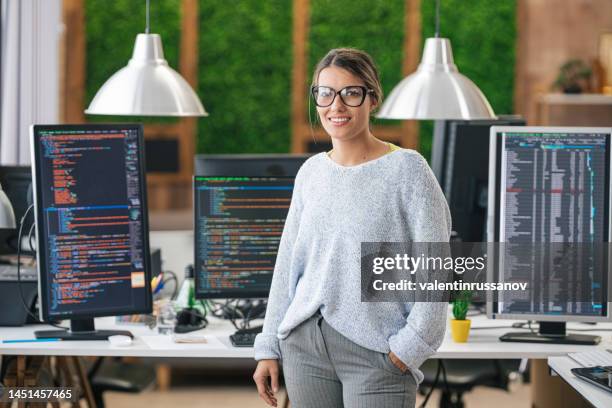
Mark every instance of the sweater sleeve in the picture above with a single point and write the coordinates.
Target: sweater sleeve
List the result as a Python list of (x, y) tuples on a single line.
[(266, 343), (430, 222)]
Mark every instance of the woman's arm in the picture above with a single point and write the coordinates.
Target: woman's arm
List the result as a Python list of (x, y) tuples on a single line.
[(266, 343), (430, 221)]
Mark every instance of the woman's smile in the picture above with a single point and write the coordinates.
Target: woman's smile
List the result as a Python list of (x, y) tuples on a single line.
[(339, 121)]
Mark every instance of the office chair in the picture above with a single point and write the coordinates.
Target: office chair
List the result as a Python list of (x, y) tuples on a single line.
[(464, 374), (113, 374)]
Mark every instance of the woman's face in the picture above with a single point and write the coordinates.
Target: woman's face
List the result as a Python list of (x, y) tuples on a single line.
[(343, 122)]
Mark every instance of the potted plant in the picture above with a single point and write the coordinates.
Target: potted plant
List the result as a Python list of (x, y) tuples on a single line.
[(574, 77), (460, 326)]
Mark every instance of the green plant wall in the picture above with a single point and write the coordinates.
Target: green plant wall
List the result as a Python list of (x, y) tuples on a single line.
[(245, 55)]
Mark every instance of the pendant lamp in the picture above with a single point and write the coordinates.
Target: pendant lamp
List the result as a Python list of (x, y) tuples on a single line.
[(437, 90), (147, 86)]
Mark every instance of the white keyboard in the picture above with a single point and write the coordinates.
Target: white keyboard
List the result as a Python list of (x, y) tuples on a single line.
[(592, 358)]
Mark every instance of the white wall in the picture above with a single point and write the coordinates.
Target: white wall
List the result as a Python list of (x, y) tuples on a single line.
[(30, 73)]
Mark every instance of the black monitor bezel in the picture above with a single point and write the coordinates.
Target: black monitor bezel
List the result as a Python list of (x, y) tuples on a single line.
[(41, 253), (225, 294)]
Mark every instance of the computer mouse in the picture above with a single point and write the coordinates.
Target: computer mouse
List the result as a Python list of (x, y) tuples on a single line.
[(120, 340)]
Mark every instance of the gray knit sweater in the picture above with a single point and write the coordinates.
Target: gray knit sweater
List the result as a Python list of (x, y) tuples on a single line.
[(394, 198)]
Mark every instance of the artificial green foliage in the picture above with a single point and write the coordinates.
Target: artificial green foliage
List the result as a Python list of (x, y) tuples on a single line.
[(111, 29), (245, 57), (483, 35), (375, 26)]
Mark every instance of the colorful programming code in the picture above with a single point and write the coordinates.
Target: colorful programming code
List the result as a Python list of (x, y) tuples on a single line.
[(239, 223), (93, 219)]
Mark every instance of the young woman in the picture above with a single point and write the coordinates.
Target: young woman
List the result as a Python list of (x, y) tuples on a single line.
[(336, 350)]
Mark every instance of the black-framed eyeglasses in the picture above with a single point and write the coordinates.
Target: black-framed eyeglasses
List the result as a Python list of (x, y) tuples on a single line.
[(352, 96)]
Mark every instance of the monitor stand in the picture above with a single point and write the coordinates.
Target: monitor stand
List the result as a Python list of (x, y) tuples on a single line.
[(551, 332), (80, 329)]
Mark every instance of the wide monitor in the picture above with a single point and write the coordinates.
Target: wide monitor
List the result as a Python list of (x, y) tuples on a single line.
[(460, 156), (91, 225), (239, 221), (552, 201)]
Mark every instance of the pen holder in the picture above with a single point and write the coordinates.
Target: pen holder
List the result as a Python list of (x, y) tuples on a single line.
[(460, 330)]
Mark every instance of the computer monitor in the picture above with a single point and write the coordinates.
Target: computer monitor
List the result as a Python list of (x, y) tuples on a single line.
[(238, 226), (91, 225), (276, 165), (460, 156), (551, 186), (16, 182)]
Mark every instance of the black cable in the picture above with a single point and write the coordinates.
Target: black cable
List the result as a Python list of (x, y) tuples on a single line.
[(172, 278), (148, 19), (433, 386), (437, 18), (204, 307), (237, 309), (446, 388), (252, 306), (227, 312), (247, 319), (23, 301), (232, 313)]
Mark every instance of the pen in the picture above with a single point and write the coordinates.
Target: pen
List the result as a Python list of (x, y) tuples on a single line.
[(30, 340)]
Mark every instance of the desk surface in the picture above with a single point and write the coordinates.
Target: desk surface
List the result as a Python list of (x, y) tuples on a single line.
[(596, 396), (482, 343)]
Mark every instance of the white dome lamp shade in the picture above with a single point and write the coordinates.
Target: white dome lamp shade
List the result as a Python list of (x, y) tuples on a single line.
[(147, 86), (436, 91)]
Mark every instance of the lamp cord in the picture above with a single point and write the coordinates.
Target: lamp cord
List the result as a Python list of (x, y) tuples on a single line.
[(437, 18), (147, 28)]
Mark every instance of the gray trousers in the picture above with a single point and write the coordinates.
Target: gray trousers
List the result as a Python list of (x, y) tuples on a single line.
[(323, 369)]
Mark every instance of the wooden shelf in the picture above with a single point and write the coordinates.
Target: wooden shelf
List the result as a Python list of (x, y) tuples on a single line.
[(574, 110), (576, 99)]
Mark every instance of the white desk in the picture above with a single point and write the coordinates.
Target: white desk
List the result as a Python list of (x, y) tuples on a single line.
[(481, 344), (594, 395), (177, 252), (486, 343), (217, 329)]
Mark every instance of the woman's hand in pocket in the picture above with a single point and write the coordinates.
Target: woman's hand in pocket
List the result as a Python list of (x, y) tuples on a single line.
[(397, 362)]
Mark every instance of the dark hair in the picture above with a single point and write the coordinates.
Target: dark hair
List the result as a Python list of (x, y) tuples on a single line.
[(358, 63)]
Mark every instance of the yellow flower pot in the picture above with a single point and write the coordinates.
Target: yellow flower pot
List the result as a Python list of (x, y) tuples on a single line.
[(460, 330)]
